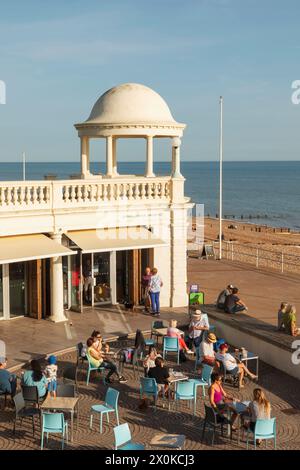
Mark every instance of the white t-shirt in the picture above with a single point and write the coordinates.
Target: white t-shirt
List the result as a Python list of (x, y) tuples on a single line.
[(155, 283), (206, 349), (202, 323), (226, 360)]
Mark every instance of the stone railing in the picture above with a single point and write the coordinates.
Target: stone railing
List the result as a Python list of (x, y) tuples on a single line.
[(43, 195)]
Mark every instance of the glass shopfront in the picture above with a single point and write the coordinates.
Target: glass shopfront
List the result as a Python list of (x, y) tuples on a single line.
[(17, 289)]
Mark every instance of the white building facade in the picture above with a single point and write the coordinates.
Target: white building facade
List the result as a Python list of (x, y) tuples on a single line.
[(66, 244)]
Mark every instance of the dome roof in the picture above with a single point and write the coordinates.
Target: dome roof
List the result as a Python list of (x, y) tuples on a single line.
[(130, 103)]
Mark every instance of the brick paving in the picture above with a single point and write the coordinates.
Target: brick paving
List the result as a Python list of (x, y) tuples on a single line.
[(281, 389)]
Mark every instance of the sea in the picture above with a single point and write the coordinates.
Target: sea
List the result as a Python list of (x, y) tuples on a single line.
[(267, 193)]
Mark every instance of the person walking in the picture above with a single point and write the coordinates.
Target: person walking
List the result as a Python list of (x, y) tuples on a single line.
[(155, 286), (146, 277)]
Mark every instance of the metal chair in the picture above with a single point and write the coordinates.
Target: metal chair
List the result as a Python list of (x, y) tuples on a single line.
[(54, 423), (171, 345), (214, 421), (70, 376), (186, 391), (148, 387), (264, 429), (134, 362), (156, 324), (31, 395), (5, 397), (228, 377), (91, 368), (80, 358), (110, 406), (123, 439), (21, 411), (66, 390)]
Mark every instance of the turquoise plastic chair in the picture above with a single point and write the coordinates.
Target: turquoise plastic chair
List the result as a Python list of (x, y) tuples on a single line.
[(54, 423), (123, 439), (91, 367), (110, 406), (205, 380), (171, 345), (186, 391), (264, 429), (148, 386)]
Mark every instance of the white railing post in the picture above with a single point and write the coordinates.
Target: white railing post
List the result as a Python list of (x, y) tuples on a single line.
[(282, 262)]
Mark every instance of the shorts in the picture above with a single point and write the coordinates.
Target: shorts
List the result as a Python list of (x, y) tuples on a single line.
[(234, 371), (52, 386)]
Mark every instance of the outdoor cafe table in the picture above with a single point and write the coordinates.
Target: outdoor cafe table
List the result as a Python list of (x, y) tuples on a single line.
[(174, 379), (170, 441), (239, 407), (250, 357), (62, 404)]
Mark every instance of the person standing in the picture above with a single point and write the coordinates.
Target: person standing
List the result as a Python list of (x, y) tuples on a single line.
[(198, 325), (146, 277), (155, 286)]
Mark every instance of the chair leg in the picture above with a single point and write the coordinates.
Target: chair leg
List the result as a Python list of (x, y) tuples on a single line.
[(33, 425), (213, 436), (91, 421), (107, 417), (88, 377), (42, 440), (101, 415), (117, 417)]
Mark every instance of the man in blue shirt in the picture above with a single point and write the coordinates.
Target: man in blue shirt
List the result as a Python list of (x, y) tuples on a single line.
[(8, 381)]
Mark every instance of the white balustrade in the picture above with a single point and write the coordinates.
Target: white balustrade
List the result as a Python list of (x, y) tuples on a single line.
[(51, 195)]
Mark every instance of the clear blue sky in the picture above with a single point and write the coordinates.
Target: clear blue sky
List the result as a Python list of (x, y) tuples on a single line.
[(57, 57)]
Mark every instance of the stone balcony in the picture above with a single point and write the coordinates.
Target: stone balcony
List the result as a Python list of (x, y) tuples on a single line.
[(38, 201)]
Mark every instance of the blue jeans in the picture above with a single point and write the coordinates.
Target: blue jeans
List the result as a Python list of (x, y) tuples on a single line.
[(154, 296)]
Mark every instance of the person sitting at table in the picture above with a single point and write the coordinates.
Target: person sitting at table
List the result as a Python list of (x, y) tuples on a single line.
[(233, 303), (197, 326), (222, 296), (161, 374), (97, 359), (35, 378), (282, 310), (219, 399), (290, 321), (8, 381), (173, 332), (149, 361), (232, 366), (99, 344), (207, 354), (259, 408)]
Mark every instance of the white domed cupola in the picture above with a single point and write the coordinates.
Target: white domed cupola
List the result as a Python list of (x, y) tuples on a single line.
[(129, 110)]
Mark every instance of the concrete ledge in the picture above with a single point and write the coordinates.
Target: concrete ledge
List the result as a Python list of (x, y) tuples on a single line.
[(272, 346)]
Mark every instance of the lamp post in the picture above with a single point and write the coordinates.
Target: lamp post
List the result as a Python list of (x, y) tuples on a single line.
[(221, 179)]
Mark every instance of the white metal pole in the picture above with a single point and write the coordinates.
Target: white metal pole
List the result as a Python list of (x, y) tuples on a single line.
[(221, 179), (24, 166)]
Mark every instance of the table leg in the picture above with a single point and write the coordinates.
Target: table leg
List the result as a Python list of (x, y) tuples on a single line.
[(72, 428)]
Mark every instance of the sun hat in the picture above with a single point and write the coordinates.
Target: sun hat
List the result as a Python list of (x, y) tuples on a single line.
[(197, 313), (211, 337), (52, 360)]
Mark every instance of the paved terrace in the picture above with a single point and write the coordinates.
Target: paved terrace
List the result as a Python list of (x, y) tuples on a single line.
[(282, 390), (263, 291)]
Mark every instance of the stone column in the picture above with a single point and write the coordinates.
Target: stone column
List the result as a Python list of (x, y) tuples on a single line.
[(85, 157), (176, 142), (114, 156), (179, 296), (56, 279), (109, 156), (149, 166)]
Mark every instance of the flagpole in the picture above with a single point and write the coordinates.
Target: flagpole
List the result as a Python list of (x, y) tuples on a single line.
[(24, 166), (221, 179)]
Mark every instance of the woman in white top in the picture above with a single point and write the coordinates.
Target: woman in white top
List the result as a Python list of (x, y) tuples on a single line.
[(149, 360), (259, 408), (232, 366), (155, 285)]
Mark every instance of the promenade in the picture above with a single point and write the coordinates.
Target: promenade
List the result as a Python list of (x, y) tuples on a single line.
[(262, 291)]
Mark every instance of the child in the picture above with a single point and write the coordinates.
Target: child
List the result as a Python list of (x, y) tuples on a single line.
[(281, 312), (51, 374)]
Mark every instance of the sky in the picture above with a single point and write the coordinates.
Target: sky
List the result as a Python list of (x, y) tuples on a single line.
[(58, 57)]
